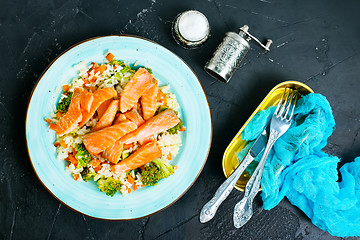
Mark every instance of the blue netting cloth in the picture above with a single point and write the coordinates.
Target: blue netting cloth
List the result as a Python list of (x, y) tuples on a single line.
[(298, 169)]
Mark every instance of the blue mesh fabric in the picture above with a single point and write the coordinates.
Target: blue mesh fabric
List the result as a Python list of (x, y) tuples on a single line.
[(298, 169)]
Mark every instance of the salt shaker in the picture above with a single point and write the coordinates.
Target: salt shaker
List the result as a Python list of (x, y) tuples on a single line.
[(230, 53), (190, 29)]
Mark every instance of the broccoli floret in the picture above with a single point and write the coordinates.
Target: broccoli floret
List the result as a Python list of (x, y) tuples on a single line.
[(149, 70), (109, 185), (117, 75), (82, 155), (116, 62), (126, 69), (165, 168), (87, 175), (150, 175), (176, 128), (64, 104), (162, 108), (156, 170), (125, 155)]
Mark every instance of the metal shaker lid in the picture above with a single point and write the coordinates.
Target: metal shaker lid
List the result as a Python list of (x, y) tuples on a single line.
[(191, 28)]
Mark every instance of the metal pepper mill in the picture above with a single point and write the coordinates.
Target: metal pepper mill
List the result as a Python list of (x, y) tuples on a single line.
[(230, 53)]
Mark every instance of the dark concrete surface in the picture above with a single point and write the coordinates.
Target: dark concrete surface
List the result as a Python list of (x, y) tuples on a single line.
[(315, 42)]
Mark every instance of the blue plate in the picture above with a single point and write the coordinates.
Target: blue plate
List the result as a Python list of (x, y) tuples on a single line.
[(85, 196)]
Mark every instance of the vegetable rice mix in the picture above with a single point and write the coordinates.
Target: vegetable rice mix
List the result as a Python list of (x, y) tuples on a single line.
[(116, 126)]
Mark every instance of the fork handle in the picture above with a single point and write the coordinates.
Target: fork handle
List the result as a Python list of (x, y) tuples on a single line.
[(243, 212), (210, 208)]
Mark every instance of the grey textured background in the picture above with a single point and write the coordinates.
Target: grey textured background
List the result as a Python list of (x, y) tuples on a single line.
[(315, 42)]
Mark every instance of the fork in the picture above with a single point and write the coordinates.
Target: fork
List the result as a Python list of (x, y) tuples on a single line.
[(280, 123)]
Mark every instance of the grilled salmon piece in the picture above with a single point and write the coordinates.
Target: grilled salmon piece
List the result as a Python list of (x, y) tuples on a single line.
[(71, 118), (147, 140), (143, 155), (86, 99), (120, 117), (100, 96), (113, 153), (149, 101), (102, 108), (134, 116), (135, 88), (157, 124), (108, 116), (98, 141)]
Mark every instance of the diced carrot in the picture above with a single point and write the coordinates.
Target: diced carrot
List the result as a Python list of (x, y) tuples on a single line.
[(85, 81), (52, 126), (96, 163), (72, 159), (182, 129), (98, 168), (142, 185), (93, 66), (130, 179), (63, 144), (65, 88), (161, 96), (56, 144), (76, 176), (169, 157), (129, 190), (128, 146), (110, 56), (93, 79), (100, 69), (175, 167), (48, 120), (135, 187)]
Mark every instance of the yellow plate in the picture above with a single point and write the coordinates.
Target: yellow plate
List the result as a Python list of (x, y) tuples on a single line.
[(230, 160)]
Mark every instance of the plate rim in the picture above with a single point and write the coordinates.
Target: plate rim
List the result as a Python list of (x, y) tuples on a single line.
[(88, 40)]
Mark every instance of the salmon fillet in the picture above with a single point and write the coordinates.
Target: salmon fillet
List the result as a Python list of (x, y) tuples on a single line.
[(113, 153), (102, 108), (135, 88), (143, 155), (157, 124), (149, 101), (120, 117), (134, 116), (71, 118), (86, 99), (108, 116), (147, 140), (100, 96), (98, 141)]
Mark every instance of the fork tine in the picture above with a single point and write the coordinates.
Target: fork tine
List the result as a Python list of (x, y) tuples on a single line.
[(289, 102), (280, 103), (293, 105), (284, 104)]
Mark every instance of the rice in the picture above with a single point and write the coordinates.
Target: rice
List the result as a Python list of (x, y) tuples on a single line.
[(169, 144), (113, 77)]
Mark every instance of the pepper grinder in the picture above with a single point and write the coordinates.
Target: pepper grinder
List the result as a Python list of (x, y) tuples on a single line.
[(230, 53)]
